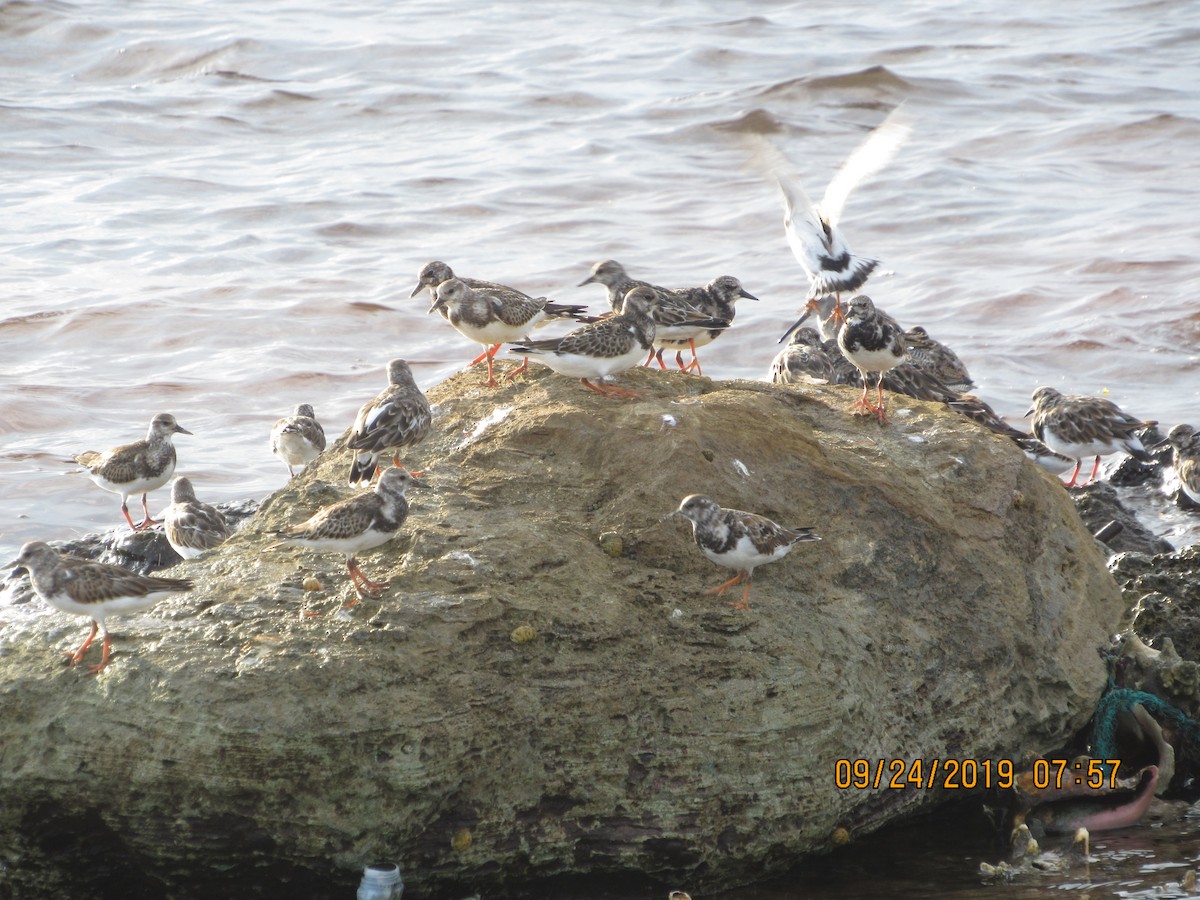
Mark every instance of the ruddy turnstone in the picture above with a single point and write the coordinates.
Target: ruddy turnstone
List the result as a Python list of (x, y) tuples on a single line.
[(494, 317), (807, 358), (617, 282), (738, 540), (191, 526), (812, 230), (298, 439), (436, 272), (873, 341), (362, 522), (1185, 459), (716, 300), (936, 358), (1080, 426), (398, 417), (136, 468), (93, 589), (603, 347)]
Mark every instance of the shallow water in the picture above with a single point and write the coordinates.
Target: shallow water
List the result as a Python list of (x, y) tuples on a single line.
[(218, 209)]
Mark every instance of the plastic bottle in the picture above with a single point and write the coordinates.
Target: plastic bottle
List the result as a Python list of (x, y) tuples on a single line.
[(381, 881)]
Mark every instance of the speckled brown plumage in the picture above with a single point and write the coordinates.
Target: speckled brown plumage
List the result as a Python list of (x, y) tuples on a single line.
[(1079, 426), (738, 540), (399, 416), (136, 468), (1185, 458), (93, 589), (191, 526), (602, 347), (298, 439), (358, 523)]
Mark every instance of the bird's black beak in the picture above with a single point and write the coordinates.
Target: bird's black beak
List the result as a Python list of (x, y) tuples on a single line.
[(436, 305), (800, 321), (591, 279), (417, 290), (181, 430), (745, 293), (1029, 412)]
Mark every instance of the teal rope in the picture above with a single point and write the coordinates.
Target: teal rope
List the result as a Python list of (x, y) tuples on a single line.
[(1103, 739)]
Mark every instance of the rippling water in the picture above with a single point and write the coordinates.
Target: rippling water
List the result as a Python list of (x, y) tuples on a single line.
[(218, 209)]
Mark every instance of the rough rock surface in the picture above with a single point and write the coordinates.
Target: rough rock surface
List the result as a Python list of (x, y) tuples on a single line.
[(236, 746), (1163, 593)]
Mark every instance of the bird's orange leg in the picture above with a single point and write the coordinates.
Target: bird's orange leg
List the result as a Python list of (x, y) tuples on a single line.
[(839, 314), (78, 654), (694, 364), (128, 518), (883, 419), (745, 601), (655, 354), (146, 520), (100, 666), (363, 585), (396, 462), (480, 358), (490, 354), (1075, 474), (1092, 477), (722, 588), (523, 367), (617, 393)]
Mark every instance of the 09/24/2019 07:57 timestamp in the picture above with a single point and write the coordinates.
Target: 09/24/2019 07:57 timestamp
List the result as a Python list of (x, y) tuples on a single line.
[(971, 774)]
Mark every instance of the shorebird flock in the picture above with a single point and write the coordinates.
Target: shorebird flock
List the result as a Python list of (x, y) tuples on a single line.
[(854, 341)]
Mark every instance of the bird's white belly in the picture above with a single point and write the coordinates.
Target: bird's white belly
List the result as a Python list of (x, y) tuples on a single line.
[(295, 450), (581, 366), (108, 607), (349, 546), (1080, 451), (874, 360), (495, 332), (745, 555), (138, 485)]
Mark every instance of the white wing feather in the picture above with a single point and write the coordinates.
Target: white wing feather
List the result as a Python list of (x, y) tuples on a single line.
[(872, 155)]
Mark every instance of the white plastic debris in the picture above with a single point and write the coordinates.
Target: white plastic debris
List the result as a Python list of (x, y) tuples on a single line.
[(495, 417), (741, 468)]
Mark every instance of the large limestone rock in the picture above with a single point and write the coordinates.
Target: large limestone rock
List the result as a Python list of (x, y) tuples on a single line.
[(953, 609)]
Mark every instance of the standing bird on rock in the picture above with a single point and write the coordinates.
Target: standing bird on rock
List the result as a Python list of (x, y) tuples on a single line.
[(398, 417), (136, 468), (612, 275), (601, 348), (191, 526), (679, 319), (873, 341), (1185, 459), (932, 356), (437, 272), (493, 318), (298, 439), (716, 300), (1079, 426), (812, 228), (738, 540), (93, 589), (362, 522)]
